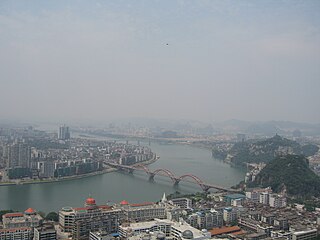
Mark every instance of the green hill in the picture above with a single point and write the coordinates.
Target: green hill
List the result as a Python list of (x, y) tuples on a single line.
[(263, 150), (291, 171)]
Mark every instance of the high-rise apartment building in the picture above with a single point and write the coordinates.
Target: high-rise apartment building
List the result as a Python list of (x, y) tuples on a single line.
[(64, 133), (18, 155)]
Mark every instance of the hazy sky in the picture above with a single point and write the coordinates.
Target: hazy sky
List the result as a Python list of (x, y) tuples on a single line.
[(202, 59)]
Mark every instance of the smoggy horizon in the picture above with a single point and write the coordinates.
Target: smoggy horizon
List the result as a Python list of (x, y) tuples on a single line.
[(200, 60)]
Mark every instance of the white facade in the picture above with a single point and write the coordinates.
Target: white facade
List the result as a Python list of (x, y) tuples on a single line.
[(230, 214), (16, 234), (184, 203), (305, 235), (277, 201), (264, 198), (172, 230)]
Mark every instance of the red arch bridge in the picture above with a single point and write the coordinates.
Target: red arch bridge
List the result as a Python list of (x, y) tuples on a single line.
[(167, 173)]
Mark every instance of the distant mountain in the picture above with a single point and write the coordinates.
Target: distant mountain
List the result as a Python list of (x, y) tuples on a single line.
[(291, 172), (263, 150), (268, 128)]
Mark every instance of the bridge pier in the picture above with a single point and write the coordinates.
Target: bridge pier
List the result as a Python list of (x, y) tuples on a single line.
[(205, 188), (151, 176), (176, 182)]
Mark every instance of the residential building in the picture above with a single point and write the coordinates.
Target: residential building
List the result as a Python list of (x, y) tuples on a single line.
[(172, 230), (23, 233), (142, 211), (253, 194), (230, 215), (100, 235), (28, 219), (305, 235), (206, 219), (229, 199), (64, 133), (45, 232), (277, 200), (184, 203), (80, 221), (18, 155), (264, 198)]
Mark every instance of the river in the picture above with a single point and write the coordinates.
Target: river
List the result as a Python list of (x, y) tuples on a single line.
[(116, 186)]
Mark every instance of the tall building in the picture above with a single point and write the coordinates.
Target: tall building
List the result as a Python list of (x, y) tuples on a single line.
[(64, 133), (18, 155), (80, 221), (264, 198)]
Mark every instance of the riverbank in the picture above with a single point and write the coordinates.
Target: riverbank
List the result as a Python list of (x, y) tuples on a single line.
[(70, 178)]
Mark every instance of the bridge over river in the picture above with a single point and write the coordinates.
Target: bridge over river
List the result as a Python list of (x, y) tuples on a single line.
[(167, 173)]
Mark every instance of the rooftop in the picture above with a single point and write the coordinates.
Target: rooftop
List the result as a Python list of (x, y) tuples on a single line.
[(224, 230)]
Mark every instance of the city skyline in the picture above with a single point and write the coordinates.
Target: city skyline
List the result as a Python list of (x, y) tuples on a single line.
[(203, 60)]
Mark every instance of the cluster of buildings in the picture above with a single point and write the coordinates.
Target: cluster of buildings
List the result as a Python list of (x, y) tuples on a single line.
[(265, 196), (34, 154), (127, 221), (218, 216), (25, 226), (214, 216)]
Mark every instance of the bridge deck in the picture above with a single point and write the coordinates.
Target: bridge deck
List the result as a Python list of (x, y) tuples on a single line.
[(166, 173)]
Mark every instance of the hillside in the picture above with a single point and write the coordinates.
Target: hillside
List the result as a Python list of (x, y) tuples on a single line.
[(263, 150), (291, 171)]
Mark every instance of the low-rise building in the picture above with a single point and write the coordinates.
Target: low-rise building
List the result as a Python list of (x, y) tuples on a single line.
[(305, 235), (206, 219), (45, 232), (27, 219), (23, 233), (142, 211), (184, 203), (277, 200), (172, 230), (253, 194)]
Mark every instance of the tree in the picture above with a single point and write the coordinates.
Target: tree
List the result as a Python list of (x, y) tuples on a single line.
[(53, 216)]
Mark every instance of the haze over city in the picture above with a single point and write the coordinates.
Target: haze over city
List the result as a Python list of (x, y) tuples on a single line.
[(203, 60)]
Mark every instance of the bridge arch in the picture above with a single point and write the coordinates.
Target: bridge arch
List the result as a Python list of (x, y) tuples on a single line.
[(195, 178), (166, 172), (143, 167)]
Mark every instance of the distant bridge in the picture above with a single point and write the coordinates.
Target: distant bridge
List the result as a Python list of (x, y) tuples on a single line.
[(167, 173)]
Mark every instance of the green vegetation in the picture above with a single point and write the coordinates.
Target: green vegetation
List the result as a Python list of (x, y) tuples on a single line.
[(293, 172), (265, 150), (193, 196), (52, 216)]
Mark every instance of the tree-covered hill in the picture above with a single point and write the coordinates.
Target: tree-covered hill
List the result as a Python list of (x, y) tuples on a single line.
[(291, 171), (264, 150)]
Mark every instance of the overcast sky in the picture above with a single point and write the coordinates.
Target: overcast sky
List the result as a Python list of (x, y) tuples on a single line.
[(203, 59)]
